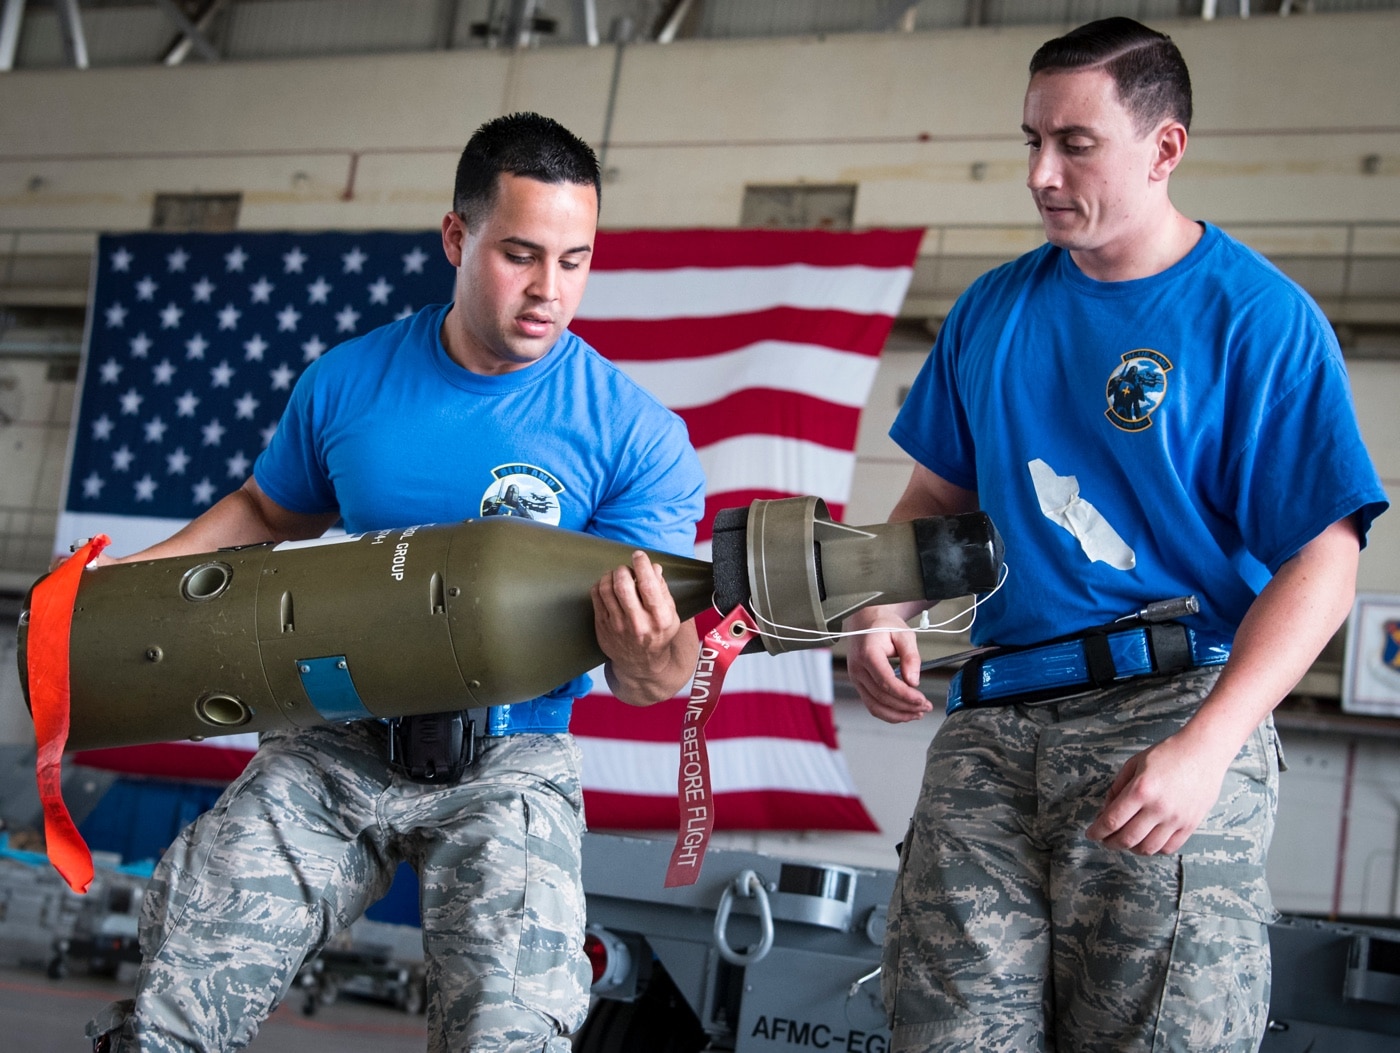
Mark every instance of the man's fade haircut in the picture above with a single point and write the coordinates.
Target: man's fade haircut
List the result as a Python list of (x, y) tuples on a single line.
[(1148, 70), (522, 144)]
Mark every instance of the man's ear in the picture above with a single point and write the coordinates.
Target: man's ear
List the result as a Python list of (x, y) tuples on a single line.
[(454, 233), (1171, 148)]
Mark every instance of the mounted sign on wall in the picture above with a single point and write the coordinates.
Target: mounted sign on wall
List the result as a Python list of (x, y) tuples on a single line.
[(1371, 679)]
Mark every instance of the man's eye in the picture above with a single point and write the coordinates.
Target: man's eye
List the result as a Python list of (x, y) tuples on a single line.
[(517, 259)]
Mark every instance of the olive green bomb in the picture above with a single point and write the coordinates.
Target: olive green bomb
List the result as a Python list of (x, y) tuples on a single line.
[(439, 617)]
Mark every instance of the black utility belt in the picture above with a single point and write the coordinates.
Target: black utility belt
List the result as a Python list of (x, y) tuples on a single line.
[(1088, 662)]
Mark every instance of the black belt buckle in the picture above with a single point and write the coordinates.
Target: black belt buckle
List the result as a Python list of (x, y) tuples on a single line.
[(432, 747)]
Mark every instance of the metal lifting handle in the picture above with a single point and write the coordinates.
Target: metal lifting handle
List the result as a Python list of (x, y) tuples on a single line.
[(746, 884)]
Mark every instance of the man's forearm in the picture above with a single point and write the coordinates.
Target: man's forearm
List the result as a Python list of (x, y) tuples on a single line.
[(1282, 634), (245, 517)]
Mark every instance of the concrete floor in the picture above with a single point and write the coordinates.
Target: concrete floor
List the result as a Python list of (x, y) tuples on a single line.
[(39, 1015)]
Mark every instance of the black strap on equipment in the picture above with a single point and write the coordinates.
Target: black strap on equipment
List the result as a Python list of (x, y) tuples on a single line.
[(1170, 647)]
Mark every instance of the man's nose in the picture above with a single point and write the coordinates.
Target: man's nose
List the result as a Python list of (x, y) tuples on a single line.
[(545, 285), (1044, 172)]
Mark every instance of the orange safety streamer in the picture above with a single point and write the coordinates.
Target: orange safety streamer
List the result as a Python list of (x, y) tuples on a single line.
[(50, 624), (718, 650)]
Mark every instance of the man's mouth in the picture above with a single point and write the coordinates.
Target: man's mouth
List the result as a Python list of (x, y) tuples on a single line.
[(535, 324)]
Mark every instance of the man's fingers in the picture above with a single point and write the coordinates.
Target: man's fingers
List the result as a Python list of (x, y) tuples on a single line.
[(649, 581), (634, 599)]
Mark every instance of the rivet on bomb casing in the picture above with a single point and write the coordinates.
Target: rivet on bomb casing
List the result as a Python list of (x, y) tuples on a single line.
[(454, 591), (342, 664), (303, 669), (154, 654)]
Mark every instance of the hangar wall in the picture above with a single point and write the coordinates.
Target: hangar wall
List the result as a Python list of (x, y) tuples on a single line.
[(1286, 111), (1295, 147)]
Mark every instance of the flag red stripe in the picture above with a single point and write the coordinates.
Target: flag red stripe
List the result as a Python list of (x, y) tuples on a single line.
[(742, 499), (665, 339), (173, 760), (746, 810), (765, 411), (741, 714), (621, 250)]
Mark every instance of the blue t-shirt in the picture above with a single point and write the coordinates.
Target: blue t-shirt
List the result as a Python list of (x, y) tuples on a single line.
[(387, 430), (1204, 414)]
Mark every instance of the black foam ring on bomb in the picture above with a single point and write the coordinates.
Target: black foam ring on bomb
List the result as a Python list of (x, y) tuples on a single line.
[(729, 556)]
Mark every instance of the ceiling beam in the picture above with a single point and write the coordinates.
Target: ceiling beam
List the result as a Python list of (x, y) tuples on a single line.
[(73, 39), (898, 14), (11, 18), (191, 32), (672, 20), (586, 22)]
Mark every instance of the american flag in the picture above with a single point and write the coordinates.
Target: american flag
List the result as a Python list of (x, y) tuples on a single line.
[(765, 342)]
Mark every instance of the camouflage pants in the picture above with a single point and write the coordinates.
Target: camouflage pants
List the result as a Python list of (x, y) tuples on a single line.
[(1009, 930), (311, 834)]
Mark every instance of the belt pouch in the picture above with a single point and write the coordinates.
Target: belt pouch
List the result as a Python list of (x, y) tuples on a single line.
[(432, 747)]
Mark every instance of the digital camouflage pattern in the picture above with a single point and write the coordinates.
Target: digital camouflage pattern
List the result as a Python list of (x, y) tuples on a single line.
[(1009, 930), (311, 834)]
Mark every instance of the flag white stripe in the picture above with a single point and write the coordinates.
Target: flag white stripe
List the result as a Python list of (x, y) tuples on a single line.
[(705, 292), (797, 672), (736, 766), (792, 673), (248, 740), (840, 377), (128, 533), (766, 462)]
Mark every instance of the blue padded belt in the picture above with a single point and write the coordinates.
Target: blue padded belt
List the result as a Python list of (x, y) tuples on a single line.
[(1057, 670), (546, 716)]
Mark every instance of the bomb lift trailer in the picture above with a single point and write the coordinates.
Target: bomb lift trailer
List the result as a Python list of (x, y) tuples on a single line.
[(763, 955)]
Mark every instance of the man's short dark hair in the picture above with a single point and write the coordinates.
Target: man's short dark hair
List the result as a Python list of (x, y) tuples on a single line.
[(1153, 84), (522, 144)]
